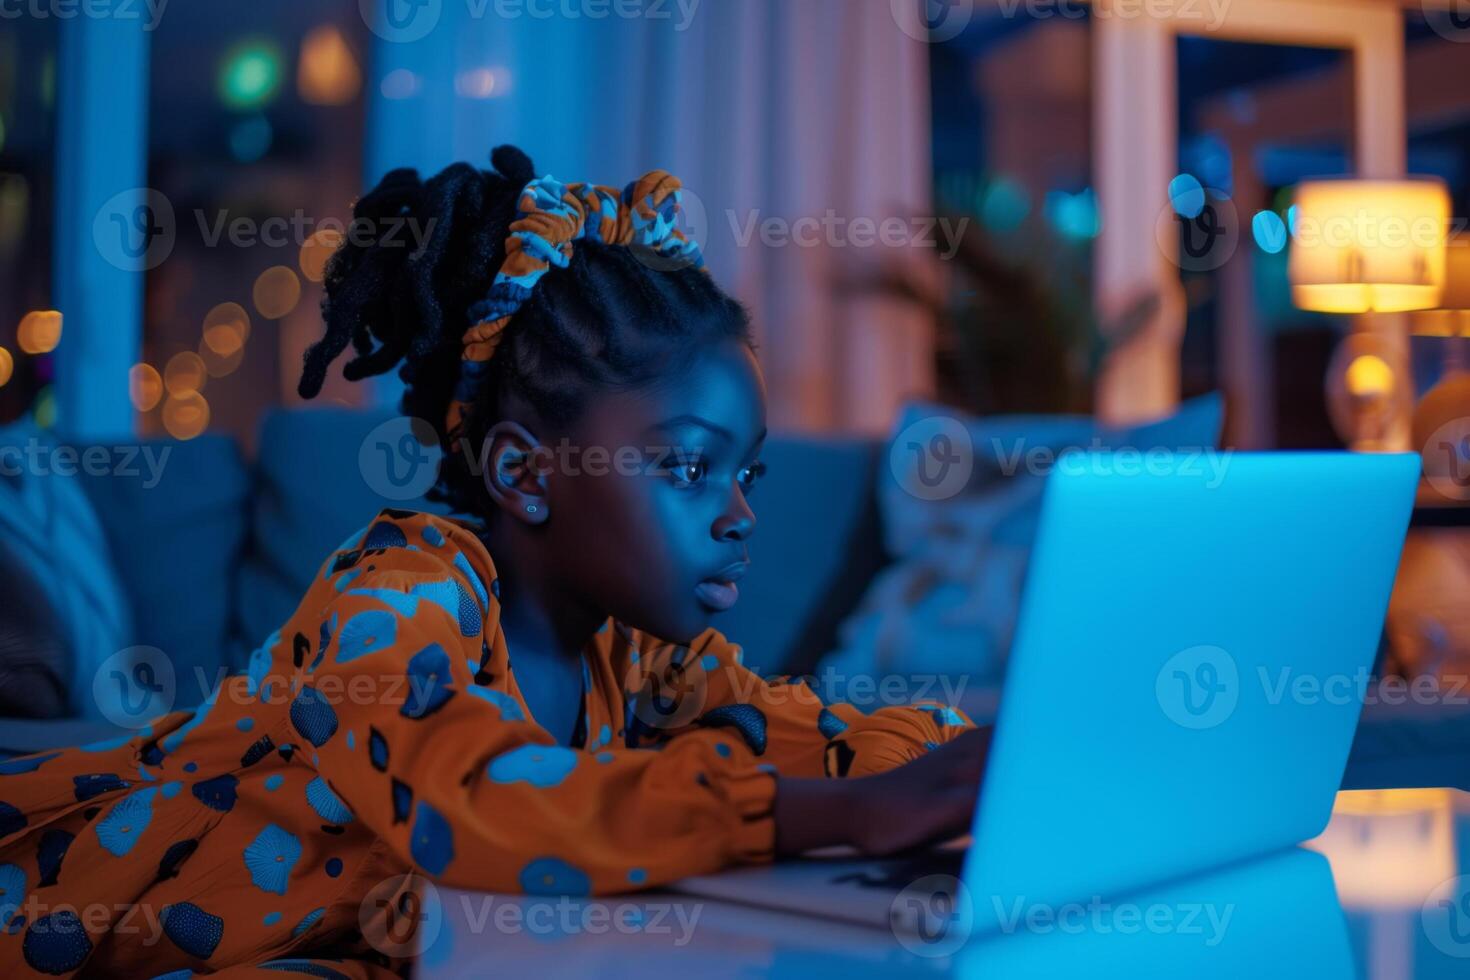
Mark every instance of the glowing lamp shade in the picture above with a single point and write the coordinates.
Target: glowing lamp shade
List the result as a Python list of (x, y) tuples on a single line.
[(1452, 318), (1369, 246), (1457, 274)]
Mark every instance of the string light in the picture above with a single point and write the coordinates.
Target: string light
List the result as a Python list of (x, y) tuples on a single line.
[(327, 73), (232, 317), (316, 251), (225, 358), (145, 387), (185, 416), (45, 408), (276, 292), (184, 373), (475, 83), (250, 74), (39, 331)]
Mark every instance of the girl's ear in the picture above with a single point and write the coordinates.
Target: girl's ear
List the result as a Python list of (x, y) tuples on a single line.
[(515, 468)]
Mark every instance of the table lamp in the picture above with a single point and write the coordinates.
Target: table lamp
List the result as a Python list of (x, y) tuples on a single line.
[(1451, 318), (1369, 246), (1442, 417)]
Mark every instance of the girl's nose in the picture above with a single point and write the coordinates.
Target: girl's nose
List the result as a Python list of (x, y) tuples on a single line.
[(736, 524)]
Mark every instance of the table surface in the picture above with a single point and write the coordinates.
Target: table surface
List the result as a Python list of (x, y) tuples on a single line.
[(1383, 894)]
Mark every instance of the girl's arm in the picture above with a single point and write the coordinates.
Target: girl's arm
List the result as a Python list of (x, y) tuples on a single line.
[(451, 776), (783, 723)]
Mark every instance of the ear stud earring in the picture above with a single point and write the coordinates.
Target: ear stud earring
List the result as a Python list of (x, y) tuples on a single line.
[(530, 508)]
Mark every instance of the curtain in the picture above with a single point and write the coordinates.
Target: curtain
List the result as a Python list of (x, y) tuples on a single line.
[(770, 111)]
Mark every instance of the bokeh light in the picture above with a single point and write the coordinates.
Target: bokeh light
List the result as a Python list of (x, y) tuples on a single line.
[(475, 83), (400, 83), (39, 331), (231, 316), (1073, 215), (250, 138), (221, 351), (44, 411), (145, 387), (1269, 231), (221, 339), (250, 74), (185, 416), (1186, 195), (316, 250), (1004, 204), (7, 366), (276, 292), (184, 373), (1369, 376), (15, 206), (327, 73)]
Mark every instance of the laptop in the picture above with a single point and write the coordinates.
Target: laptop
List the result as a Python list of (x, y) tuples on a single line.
[(1192, 652)]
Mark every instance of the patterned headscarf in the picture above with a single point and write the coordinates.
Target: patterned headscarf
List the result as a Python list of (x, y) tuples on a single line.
[(552, 215)]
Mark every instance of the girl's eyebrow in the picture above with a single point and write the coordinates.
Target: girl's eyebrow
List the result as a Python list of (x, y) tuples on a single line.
[(682, 420), (687, 419)]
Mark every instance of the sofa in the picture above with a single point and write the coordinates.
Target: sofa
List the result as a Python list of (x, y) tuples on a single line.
[(212, 554)]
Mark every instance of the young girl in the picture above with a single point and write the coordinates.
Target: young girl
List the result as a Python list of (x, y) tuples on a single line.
[(556, 719)]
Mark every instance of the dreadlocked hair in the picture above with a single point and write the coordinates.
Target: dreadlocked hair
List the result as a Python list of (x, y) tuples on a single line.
[(609, 320)]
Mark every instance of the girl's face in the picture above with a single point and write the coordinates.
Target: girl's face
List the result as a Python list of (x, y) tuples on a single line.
[(649, 508)]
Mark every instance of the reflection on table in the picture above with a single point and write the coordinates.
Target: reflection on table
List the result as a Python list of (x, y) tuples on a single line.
[(1383, 894)]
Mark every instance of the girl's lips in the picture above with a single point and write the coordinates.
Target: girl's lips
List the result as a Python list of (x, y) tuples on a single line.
[(719, 596)]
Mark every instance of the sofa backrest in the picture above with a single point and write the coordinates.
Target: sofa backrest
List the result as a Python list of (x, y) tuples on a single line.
[(176, 524)]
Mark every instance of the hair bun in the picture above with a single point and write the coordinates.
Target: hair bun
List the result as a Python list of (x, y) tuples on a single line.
[(513, 165), (400, 192)]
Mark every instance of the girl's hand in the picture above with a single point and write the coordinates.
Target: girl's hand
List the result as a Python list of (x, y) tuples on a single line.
[(929, 800)]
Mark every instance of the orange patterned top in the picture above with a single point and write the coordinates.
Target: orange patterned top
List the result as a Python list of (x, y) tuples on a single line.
[(381, 732)]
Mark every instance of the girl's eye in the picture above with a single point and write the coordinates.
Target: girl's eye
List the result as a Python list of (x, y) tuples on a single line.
[(750, 474), (689, 472)]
